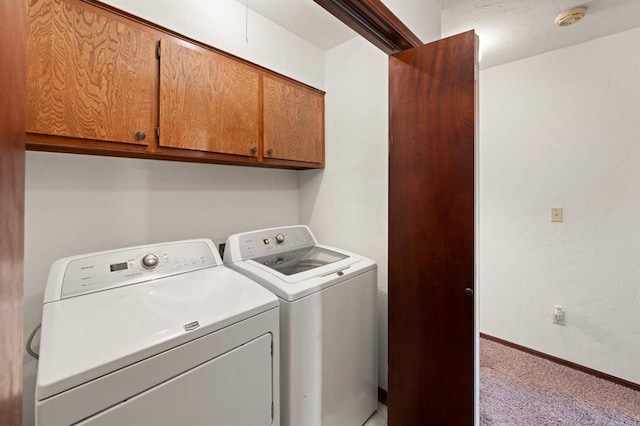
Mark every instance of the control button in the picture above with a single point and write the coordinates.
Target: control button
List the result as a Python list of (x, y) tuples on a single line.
[(279, 238), (150, 261)]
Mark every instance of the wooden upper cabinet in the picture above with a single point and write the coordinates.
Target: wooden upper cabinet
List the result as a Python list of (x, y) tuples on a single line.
[(89, 75), (293, 122), (102, 81), (208, 102)]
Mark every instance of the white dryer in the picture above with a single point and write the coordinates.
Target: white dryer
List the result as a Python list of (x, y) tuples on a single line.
[(162, 334), (328, 322)]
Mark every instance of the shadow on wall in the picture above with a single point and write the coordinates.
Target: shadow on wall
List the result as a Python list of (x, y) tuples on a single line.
[(309, 183)]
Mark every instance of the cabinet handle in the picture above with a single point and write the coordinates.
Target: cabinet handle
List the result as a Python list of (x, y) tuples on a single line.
[(254, 149), (270, 151), (140, 135), (468, 292)]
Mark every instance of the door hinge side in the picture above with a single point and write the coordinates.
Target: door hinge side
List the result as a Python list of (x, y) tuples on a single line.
[(158, 133), (158, 50)]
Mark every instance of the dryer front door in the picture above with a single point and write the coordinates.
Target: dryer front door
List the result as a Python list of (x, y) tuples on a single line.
[(197, 397)]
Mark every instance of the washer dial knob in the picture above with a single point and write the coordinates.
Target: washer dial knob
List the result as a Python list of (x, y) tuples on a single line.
[(150, 261), (279, 238)]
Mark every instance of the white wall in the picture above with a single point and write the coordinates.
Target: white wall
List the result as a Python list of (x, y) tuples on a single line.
[(561, 129), (346, 203), (227, 25), (422, 17), (76, 204)]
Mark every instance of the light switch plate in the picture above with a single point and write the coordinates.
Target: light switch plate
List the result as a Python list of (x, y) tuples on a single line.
[(556, 214)]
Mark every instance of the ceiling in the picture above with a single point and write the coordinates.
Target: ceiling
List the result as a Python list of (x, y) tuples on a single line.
[(509, 29), (514, 29)]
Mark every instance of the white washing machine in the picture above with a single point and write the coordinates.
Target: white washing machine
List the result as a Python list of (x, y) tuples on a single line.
[(328, 323), (162, 334)]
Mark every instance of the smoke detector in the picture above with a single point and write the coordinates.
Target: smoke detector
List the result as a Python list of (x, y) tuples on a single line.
[(570, 16)]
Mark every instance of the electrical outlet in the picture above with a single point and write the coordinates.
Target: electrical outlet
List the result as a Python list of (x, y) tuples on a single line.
[(558, 315), (556, 214)]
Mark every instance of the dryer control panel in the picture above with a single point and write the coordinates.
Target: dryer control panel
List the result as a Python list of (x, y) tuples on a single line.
[(117, 268)]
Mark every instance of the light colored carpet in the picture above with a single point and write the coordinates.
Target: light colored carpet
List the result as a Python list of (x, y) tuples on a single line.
[(517, 388)]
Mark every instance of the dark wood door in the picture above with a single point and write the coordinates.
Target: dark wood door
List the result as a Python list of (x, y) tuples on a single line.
[(432, 96), (13, 38)]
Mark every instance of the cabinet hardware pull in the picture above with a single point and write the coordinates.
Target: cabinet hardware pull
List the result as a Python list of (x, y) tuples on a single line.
[(270, 151), (468, 291), (140, 135), (254, 149)]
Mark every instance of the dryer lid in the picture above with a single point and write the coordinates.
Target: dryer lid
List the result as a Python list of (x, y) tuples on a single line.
[(94, 334)]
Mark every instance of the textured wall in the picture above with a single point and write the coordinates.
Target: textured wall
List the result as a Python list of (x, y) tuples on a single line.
[(345, 205), (423, 17), (561, 129)]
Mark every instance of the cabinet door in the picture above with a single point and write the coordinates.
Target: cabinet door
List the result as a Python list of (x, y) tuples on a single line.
[(208, 102), (293, 122), (88, 76)]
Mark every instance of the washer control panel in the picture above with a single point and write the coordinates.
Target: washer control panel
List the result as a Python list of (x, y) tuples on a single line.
[(275, 240), (117, 268)]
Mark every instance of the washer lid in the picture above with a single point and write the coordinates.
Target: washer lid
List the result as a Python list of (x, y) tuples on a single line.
[(300, 260), (86, 337), (297, 284)]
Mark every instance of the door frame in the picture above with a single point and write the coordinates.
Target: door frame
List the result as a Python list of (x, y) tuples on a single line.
[(13, 39)]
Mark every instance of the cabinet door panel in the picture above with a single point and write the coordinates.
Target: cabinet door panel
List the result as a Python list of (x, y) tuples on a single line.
[(293, 122), (89, 76), (207, 102)]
